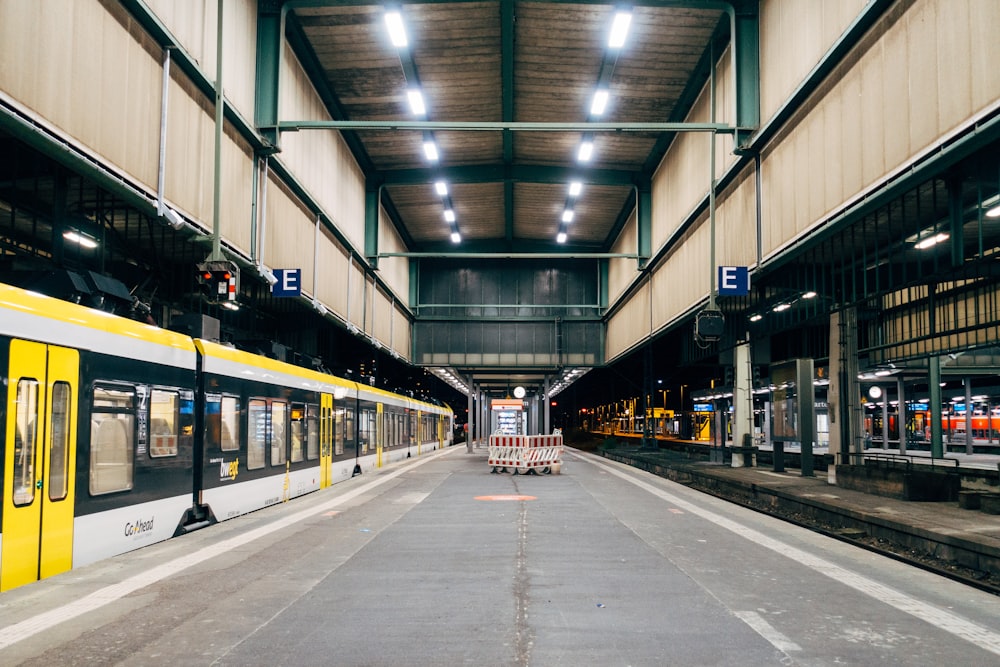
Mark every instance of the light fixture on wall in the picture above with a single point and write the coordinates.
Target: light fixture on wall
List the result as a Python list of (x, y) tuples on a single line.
[(80, 239)]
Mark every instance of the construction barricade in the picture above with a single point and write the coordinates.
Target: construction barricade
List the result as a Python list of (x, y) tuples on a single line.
[(525, 454)]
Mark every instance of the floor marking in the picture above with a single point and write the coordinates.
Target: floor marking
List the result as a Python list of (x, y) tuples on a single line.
[(937, 617), (767, 631), (674, 510), (104, 596), (506, 497)]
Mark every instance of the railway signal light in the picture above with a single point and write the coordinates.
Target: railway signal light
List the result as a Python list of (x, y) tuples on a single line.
[(218, 279)]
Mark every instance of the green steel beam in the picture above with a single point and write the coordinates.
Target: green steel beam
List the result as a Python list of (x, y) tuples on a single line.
[(371, 226), (507, 111), (746, 56), (270, 43), (499, 126), (479, 173), (644, 217), (513, 255)]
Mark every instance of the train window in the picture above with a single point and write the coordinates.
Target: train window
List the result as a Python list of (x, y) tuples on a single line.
[(256, 433), (112, 432), (312, 432), (222, 422), (279, 433), (338, 430), (163, 422), (26, 417), (58, 482), (349, 429), (297, 422)]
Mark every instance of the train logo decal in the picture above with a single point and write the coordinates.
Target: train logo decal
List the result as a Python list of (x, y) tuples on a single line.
[(229, 469), (138, 528)]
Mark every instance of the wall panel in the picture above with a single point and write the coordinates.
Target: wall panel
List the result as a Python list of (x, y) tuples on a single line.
[(885, 111), (320, 159), (193, 25), (794, 35), (332, 268), (288, 238)]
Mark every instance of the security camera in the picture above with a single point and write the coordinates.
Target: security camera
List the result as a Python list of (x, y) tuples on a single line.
[(268, 276), (172, 217)]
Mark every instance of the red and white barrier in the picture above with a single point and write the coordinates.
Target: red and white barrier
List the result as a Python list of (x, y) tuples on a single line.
[(526, 454)]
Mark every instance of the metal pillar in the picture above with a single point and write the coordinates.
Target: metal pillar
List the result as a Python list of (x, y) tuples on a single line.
[(968, 414), (547, 424), (934, 384), (471, 417), (901, 414), (807, 413), (742, 407), (885, 418)]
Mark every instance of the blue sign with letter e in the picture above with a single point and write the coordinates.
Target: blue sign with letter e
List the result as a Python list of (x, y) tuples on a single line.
[(289, 282), (734, 281)]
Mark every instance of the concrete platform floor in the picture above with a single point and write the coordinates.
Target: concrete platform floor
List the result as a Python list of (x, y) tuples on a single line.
[(438, 562)]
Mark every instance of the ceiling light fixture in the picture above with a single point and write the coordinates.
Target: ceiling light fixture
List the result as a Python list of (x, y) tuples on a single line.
[(586, 151), (993, 212), (397, 31), (809, 295), (599, 103), (441, 188), (416, 102), (81, 239), (756, 317), (567, 215), (781, 306), (449, 215), (575, 188), (456, 237), (561, 237), (931, 241), (431, 151), (619, 30)]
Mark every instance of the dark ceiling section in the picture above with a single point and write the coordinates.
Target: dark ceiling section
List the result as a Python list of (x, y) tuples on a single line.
[(525, 62)]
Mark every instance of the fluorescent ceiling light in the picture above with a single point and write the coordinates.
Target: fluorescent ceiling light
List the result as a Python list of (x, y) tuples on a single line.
[(586, 151), (567, 215), (76, 237), (416, 102), (561, 237), (782, 306), (455, 237), (575, 188), (431, 151), (230, 305), (993, 212), (619, 30), (931, 241), (599, 103), (449, 215), (756, 317), (441, 188), (397, 32), (809, 295)]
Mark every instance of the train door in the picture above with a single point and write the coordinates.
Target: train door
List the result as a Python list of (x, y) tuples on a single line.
[(38, 473), (325, 440), (379, 409)]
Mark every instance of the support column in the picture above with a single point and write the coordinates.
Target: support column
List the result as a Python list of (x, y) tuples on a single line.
[(742, 406), (968, 415), (270, 40), (471, 412), (546, 425), (934, 384), (807, 413), (885, 418), (901, 414)]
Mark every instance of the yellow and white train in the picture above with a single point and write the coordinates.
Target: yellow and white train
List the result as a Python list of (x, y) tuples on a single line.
[(118, 434)]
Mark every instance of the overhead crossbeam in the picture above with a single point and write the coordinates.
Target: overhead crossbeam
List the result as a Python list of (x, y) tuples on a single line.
[(499, 126)]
